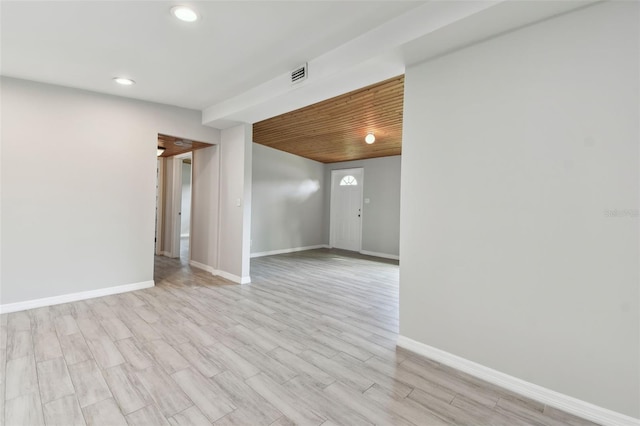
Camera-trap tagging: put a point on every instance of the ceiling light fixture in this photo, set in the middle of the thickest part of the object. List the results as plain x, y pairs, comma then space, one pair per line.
185, 14
124, 81
370, 138
161, 150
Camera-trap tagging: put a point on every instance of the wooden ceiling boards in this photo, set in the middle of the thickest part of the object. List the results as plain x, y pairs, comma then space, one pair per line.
175, 146
334, 130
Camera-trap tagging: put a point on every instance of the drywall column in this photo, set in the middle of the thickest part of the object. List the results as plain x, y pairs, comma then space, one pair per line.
519, 205
235, 203
205, 208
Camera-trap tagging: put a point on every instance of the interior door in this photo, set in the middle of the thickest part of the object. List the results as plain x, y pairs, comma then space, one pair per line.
346, 209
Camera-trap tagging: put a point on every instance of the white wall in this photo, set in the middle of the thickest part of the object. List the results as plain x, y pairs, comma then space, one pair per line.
381, 216
516, 153
235, 202
78, 187
291, 202
205, 215
287, 201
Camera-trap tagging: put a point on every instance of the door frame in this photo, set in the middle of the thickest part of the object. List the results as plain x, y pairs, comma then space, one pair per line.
334, 173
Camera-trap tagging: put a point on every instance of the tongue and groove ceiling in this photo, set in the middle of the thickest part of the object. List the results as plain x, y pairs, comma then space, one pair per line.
334, 130
175, 146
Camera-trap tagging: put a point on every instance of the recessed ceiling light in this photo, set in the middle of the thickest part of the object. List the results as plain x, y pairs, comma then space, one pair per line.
370, 138
124, 81
185, 14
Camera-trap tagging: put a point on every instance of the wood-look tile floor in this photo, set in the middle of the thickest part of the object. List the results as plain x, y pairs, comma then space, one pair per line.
311, 341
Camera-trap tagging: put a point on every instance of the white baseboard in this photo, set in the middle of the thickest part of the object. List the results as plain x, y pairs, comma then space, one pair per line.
223, 274
202, 266
289, 250
550, 397
383, 255
232, 277
73, 297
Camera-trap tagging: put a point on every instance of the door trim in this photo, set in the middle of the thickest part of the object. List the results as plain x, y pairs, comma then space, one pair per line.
334, 172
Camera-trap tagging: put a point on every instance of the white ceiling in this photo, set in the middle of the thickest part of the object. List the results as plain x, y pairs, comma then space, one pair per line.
234, 63
234, 46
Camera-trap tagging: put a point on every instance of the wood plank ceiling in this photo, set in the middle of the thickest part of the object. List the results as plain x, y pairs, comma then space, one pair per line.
175, 146
334, 130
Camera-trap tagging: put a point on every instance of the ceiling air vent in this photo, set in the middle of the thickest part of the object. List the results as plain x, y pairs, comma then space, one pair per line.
299, 74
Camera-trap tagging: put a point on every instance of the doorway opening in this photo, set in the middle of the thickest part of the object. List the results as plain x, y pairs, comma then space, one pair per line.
174, 197
346, 209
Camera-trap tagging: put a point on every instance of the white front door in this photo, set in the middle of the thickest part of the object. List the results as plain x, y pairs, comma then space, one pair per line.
346, 209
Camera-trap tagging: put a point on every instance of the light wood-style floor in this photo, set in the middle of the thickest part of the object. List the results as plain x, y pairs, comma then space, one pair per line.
310, 342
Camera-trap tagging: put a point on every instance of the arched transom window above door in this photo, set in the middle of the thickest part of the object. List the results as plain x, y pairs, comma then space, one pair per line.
348, 181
